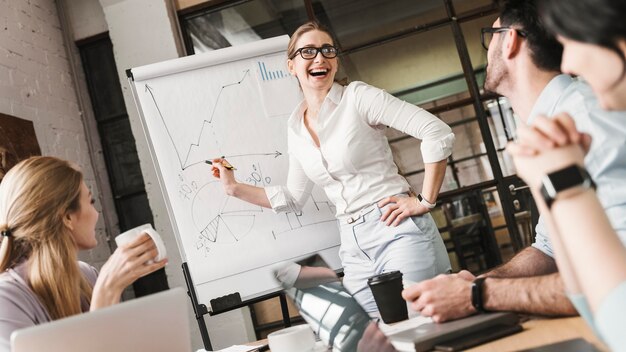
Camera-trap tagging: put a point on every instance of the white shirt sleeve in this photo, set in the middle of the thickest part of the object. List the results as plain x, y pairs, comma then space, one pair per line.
542, 241
287, 275
293, 196
382, 108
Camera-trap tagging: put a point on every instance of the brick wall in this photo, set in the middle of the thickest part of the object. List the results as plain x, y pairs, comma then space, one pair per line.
36, 84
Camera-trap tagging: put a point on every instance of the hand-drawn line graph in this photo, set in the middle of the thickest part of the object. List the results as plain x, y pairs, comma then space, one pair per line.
184, 164
219, 219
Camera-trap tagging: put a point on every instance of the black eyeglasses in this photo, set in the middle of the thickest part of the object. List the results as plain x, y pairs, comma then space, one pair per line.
487, 33
310, 52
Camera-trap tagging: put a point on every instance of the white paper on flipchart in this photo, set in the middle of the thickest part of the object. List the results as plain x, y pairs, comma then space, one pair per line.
232, 102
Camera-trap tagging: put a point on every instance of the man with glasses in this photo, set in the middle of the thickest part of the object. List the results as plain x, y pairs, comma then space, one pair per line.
523, 65
487, 33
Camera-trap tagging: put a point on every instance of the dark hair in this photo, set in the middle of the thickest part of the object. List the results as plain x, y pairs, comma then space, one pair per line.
599, 22
545, 51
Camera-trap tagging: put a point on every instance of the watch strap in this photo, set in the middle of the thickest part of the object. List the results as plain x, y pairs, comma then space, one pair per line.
562, 180
547, 197
423, 201
477, 295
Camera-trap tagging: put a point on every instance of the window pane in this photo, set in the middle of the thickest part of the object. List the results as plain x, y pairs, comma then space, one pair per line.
357, 22
408, 64
474, 171
449, 183
506, 163
406, 149
503, 125
504, 120
469, 141
456, 115
471, 33
248, 22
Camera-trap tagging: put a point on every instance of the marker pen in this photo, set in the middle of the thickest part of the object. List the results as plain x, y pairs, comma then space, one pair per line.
224, 163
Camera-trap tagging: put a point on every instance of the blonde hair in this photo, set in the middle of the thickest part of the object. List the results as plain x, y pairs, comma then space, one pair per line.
35, 197
305, 28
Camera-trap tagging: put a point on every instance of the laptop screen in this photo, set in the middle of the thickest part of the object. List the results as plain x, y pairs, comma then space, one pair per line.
158, 322
328, 308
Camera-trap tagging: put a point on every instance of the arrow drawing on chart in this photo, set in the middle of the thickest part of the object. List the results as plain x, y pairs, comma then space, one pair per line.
183, 164
276, 154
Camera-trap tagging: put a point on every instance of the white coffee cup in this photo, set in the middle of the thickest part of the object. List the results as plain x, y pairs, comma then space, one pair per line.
131, 234
297, 338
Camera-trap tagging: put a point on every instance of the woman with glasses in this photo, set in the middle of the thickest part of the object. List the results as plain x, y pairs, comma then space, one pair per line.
549, 156
336, 140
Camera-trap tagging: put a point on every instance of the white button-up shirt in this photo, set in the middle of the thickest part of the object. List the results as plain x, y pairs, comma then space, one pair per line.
354, 164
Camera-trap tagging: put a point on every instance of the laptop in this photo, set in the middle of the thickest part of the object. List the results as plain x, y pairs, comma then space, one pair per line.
339, 321
155, 323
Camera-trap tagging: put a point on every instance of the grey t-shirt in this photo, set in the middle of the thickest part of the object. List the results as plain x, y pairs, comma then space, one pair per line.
19, 306
606, 159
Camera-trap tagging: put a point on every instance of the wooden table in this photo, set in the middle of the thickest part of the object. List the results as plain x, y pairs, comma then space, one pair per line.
537, 332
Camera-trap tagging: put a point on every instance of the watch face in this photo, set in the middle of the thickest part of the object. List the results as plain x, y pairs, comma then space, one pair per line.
566, 178
558, 181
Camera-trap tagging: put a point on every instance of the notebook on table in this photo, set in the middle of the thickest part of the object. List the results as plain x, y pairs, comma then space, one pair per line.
156, 323
338, 319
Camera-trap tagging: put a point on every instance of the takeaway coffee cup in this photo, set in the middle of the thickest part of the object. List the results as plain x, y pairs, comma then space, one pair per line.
131, 234
387, 291
297, 338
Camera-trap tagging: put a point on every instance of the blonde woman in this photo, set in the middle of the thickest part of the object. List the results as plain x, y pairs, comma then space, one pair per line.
336, 140
46, 217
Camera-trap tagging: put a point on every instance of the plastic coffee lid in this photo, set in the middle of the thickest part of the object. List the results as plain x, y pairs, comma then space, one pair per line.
384, 277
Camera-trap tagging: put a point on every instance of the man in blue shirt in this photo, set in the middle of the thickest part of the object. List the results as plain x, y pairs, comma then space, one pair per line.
523, 65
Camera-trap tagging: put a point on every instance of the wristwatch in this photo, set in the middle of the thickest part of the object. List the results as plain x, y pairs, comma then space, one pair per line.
570, 179
424, 202
477, 295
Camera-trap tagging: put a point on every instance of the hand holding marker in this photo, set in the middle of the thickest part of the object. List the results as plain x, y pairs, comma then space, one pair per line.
223, 162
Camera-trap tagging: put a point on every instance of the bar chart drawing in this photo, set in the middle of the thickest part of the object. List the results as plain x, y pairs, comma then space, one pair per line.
269, 75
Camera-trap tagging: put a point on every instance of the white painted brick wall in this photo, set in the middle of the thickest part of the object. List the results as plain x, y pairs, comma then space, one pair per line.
36, 85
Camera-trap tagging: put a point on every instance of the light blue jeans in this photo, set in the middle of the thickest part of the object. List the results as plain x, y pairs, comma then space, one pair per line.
369, 247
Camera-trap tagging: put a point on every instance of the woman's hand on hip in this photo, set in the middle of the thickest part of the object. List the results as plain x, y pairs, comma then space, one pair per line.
400, 209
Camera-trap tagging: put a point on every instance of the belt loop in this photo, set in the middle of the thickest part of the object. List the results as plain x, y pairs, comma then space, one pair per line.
352, 220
